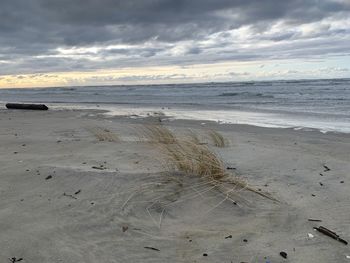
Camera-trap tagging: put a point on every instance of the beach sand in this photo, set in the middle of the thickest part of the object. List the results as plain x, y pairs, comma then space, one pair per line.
76, 186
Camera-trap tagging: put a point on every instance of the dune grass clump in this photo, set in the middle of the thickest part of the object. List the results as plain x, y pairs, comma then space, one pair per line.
217, 139
159, 134
192, 158
199, 160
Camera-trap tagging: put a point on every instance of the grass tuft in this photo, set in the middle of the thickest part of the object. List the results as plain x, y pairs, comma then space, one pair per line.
193, 158
159, 134
194, 137
199, 160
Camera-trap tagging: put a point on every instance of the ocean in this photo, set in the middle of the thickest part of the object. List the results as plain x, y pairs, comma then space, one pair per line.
323, 105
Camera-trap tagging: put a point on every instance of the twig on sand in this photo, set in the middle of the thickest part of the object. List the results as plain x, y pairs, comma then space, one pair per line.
71, 196
326, 168
314, 220
152, 248
14, 259
98, 167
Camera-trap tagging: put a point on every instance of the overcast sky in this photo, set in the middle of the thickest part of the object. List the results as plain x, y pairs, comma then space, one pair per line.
87, 42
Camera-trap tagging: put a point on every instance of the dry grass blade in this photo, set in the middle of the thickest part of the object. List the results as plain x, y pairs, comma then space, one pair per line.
194, 137
218, 139
159, 134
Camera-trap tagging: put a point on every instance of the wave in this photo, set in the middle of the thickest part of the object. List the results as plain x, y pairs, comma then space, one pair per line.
245, 94
229, 94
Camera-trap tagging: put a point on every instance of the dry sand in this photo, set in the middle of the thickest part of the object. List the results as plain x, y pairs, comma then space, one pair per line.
55, 207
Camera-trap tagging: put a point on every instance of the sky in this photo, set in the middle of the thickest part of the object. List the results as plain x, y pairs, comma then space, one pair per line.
47, 43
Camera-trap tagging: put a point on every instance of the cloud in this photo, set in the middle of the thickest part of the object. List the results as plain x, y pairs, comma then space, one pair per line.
38, 36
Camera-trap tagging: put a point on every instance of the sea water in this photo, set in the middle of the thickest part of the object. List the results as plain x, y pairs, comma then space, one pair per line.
300, 104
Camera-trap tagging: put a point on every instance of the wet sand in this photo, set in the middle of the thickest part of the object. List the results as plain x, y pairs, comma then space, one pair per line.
76, 186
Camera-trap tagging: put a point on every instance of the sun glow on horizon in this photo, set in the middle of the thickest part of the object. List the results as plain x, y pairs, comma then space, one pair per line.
225, 71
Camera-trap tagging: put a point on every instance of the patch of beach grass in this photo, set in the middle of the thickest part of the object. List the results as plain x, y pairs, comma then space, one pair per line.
193, 170
193, 137
159, 134
199, 160
192, 158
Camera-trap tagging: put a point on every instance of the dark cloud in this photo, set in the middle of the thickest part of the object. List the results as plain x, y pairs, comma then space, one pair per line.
31, 31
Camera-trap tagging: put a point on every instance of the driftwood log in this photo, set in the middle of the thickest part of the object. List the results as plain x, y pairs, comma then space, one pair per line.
24, 106
331, 234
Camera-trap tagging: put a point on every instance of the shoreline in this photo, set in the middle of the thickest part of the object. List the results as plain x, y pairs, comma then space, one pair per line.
279, 119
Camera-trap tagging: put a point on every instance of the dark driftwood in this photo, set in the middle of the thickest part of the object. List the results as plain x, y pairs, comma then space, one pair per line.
23, 106
331, 234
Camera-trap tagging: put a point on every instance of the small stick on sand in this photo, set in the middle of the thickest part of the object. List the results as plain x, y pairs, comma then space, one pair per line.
314, 220
152, 248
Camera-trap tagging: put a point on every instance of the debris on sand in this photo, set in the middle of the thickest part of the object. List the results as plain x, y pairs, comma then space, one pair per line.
314, 220
48, 177
71, 196
98, 167
14, 259
283, 254
326, 168
309, 235
152, 248
331, 234
25, 106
